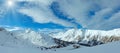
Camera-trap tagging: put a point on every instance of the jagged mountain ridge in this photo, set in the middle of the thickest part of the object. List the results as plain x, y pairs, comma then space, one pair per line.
72, 36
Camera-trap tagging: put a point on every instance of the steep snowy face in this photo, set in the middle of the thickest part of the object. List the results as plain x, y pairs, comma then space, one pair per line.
73, 35
36, 38
69, 35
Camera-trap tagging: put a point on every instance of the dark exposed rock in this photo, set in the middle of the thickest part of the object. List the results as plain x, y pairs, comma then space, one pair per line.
62, 43
83, 44
2, 29
76, 46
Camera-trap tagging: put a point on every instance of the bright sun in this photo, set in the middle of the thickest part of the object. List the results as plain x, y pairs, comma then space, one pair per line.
10, 3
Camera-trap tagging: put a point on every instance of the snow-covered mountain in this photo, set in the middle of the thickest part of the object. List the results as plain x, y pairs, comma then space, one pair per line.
25, 38
76, 35
9, 39
31, 38
36, 38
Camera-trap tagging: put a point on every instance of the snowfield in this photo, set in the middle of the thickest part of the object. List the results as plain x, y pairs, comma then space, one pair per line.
29, 41
107, 48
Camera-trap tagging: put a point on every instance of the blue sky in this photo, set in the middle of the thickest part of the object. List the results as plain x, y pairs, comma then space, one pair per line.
21, 20
55, 14
17, 19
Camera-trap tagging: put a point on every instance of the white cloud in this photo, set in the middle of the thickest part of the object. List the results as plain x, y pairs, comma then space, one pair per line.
80, 10
11, 28
2, 12
14, 29
113, 22
41, 13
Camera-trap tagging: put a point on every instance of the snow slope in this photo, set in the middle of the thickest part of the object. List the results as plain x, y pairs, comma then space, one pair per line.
107, 48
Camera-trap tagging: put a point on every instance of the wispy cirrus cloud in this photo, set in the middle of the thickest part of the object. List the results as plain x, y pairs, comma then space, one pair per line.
40, 12
97, 14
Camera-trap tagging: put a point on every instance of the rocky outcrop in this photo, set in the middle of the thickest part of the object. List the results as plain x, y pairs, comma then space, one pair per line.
2, 29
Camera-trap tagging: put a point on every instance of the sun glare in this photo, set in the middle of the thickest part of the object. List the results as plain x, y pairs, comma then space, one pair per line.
10, 3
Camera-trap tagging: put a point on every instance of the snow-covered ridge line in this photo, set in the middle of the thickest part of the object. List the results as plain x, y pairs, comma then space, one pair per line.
26, 37
38, 39
75, 35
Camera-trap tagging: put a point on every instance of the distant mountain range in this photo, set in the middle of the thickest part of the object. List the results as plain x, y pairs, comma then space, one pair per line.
30, 38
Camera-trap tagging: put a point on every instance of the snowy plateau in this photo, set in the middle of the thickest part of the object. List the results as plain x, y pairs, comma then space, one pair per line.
69, 41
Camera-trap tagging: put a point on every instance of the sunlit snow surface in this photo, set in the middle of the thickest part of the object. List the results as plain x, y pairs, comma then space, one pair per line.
72, 34
107, 48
